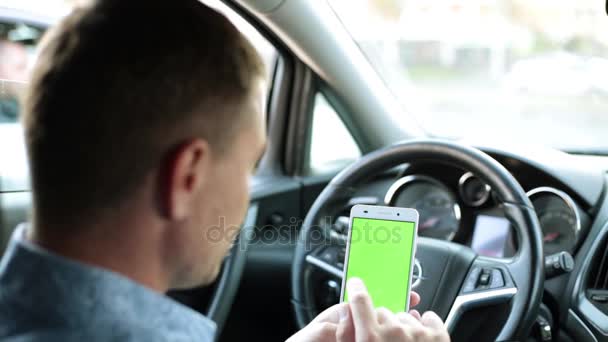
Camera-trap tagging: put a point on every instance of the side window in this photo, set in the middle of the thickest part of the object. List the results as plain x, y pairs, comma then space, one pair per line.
18, 42
331, 145
17, 54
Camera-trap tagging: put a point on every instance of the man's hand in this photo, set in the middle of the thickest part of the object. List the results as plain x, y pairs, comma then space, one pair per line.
324, 327
364, 323
359, 321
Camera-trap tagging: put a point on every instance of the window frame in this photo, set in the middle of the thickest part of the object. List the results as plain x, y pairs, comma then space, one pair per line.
323, 91
300, 130
272, 162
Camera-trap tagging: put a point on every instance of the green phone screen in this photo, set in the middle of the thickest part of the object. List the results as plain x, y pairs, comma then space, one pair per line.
381, 255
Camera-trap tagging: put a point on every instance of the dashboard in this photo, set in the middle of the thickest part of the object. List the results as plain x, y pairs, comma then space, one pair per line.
442, 203
568, 195
455, 205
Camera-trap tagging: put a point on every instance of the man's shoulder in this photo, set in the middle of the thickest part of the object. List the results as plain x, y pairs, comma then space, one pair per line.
90, 334
20, 324
44, 297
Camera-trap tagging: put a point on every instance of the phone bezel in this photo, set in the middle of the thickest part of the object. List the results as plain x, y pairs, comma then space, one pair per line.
381, 213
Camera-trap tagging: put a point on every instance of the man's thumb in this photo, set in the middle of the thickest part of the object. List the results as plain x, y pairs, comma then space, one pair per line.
331, 314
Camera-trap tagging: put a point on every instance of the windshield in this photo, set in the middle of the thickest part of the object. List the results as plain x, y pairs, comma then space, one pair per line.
526, 71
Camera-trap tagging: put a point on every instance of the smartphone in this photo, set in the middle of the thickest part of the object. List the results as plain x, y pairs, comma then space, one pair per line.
380, 250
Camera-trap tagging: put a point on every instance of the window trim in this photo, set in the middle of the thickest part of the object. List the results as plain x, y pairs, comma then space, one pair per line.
338, 163
300, 121
290, 107
354, 130
274, 161
318, 86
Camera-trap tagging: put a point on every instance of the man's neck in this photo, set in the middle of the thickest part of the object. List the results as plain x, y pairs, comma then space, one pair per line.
122, 248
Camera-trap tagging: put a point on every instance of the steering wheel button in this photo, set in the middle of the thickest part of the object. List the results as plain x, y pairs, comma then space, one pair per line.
469, 286
328, 255
599, 298
471, 281
484, 278
341, 254
497, 280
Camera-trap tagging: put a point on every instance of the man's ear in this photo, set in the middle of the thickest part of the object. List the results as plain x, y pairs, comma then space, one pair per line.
186, 169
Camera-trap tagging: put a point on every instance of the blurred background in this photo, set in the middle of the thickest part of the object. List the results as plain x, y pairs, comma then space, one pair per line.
526, 71
531, 71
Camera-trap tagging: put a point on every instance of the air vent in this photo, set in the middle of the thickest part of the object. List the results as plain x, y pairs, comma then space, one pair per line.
597, 283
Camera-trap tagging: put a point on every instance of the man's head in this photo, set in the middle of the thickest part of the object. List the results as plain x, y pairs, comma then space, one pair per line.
154, 105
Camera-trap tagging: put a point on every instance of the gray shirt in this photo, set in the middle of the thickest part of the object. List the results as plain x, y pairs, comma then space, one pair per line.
46, 297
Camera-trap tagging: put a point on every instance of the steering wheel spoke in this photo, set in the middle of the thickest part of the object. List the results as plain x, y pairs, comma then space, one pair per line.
328, 259
488, 282
324, 266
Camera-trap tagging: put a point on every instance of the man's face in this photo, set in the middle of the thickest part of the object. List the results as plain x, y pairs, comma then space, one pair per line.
222, 202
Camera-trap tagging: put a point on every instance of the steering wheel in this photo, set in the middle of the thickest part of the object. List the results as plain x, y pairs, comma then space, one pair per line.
451, 271
229, 279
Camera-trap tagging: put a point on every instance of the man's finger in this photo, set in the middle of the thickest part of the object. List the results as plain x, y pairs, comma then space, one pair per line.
409, 320
383, 315
346, 330
431, 320
331, 314
361, 308
415, 313
414, 299
322, 332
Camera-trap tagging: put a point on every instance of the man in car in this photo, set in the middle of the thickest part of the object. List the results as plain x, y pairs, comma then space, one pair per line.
143, 122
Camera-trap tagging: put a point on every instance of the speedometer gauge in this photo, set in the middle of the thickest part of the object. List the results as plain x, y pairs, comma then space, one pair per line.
558, 217
436, 204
